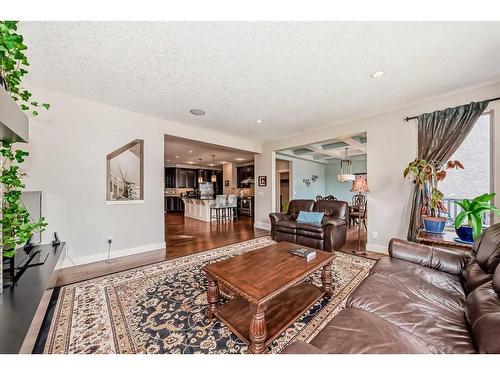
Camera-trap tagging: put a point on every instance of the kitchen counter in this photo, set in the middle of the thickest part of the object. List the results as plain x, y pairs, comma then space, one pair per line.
198, 209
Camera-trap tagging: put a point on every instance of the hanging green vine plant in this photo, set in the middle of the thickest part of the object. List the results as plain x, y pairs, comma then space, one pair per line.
17, 225
13, 65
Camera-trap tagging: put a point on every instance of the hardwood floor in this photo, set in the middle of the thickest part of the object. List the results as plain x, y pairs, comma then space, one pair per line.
185, 236
352, 243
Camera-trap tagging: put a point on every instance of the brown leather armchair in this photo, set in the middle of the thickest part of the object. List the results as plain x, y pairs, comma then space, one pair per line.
421, 299
329, 235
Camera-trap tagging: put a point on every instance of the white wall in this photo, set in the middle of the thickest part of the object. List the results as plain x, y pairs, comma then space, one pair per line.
392, 143
304, 169
68, 147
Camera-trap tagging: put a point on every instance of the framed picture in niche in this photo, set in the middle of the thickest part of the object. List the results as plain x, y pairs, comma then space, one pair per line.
262, 181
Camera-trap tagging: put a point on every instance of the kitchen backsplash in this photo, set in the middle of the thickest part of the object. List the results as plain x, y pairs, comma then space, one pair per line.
177, 191
243, 192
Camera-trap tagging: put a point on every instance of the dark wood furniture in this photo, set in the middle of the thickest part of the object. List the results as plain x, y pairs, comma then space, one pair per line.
270, 292
446, 239
358, 212
29, 297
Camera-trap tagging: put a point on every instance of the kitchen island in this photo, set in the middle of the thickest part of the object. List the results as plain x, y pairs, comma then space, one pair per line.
198, 209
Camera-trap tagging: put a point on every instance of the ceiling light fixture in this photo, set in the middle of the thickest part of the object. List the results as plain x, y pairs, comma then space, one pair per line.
377, 74
259, 121
214, 177
197, 112
240, 159
200, 177
345, 173
177, 156
190, 151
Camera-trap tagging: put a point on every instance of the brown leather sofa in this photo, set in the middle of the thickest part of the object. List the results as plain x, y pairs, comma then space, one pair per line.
329, 235
421, 299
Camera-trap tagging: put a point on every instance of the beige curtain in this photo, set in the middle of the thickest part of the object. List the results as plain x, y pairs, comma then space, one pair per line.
440, 133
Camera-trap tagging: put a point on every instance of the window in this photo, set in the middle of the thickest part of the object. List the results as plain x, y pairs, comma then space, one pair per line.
125, 173
476, 178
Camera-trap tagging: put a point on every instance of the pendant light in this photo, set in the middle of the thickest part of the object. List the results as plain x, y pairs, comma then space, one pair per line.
214, 177
200, 177
345, 173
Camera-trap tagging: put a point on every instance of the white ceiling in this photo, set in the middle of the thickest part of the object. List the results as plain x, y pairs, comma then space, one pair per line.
293, 75
332, 150
177, 151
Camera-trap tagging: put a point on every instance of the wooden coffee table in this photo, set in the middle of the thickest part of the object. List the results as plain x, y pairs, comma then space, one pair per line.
270, 292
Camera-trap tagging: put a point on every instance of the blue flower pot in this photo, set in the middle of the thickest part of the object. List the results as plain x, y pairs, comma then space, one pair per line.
434, 224
465, 233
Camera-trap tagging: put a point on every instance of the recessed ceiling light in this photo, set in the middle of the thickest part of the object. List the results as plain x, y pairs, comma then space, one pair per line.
190, 151
190, 162
240, 159
259, 121
197, 112
378, 74
177, 156
168, 159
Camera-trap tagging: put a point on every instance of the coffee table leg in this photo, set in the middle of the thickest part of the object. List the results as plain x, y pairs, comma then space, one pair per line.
326, 279
212, 297
258, 329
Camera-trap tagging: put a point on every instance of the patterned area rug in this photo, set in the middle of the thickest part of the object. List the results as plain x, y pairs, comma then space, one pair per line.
160, 308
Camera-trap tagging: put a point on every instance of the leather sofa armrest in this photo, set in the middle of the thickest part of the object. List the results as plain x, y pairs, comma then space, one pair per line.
336, 222
278, 216
301, 347
442, 259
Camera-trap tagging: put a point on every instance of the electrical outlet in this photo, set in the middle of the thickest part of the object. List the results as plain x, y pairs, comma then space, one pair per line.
374, 234
110, 239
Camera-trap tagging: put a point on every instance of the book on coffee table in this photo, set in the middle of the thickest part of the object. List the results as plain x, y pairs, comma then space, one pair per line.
307, 254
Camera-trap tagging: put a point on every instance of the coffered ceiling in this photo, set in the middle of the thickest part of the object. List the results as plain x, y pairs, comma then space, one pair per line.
293, 76
330, 151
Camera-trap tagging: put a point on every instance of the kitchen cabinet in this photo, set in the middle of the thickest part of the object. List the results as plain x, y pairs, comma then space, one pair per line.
170, 178
243, 173
174, 204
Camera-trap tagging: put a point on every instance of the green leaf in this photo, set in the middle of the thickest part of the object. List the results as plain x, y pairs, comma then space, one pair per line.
477, 226
459, 219
487, 197
46, 105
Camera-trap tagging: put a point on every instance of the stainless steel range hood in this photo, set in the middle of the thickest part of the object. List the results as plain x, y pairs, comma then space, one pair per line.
13, 121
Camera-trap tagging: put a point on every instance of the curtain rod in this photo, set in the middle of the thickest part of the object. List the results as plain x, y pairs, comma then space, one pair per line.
414, 117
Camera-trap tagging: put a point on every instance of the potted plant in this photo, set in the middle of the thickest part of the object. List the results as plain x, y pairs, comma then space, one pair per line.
473, 211
426, 175
16, 223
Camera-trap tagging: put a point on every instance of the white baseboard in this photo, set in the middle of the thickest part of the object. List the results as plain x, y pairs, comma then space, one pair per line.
70, 261
261, 225
377, 248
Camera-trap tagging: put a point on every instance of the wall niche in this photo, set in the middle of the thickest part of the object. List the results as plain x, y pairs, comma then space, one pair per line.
125, 173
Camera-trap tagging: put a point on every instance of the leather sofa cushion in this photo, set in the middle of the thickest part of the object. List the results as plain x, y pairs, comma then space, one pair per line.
412, 273
287, 226
312, 235
297, 205
427, 311
487, 249
308, 227
483, 313
473, 276
335, 209
355, 331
